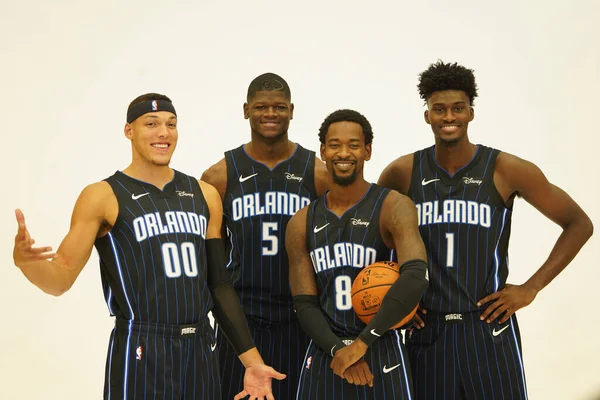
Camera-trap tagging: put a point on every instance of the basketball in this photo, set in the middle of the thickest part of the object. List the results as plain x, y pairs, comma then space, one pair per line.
369, 288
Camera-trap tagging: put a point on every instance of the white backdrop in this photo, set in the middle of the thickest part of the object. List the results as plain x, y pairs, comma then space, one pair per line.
69, 69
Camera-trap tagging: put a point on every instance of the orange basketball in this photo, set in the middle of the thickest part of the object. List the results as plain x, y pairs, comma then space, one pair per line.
369, 288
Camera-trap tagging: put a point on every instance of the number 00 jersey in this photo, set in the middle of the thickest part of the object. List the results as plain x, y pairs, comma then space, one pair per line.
340, 247
153, 261
465, 227
257, 206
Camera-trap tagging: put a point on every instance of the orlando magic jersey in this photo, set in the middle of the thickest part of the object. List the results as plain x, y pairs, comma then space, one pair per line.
465, 226
340, 247
153, 261
257, 205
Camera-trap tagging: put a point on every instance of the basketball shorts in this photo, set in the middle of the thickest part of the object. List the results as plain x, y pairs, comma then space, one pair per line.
281, 346
458, 356
155, 361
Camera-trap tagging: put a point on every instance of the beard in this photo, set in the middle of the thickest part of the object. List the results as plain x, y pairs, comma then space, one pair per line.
346, 180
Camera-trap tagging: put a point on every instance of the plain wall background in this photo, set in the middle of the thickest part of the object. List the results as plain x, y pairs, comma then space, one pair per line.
69, 69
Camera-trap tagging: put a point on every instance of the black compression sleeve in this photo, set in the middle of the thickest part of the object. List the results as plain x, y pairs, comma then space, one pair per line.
315, 324
399, 301
215, 254
227, 310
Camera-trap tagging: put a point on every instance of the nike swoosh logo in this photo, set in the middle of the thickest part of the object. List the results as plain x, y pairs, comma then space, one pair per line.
375, 333
386, 369
213, 347
496, 333
428, 182
320, 228
245, 178
137, 196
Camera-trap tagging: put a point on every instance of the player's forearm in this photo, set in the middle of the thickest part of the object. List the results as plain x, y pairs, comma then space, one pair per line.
52, 277
402, 297
315, 325
230, 316
572, 239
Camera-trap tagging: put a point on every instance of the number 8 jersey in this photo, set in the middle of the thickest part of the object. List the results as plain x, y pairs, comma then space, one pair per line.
257, 205
153, 260
340, 247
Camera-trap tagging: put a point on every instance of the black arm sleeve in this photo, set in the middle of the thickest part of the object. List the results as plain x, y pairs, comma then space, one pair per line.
227, 311
399, 301
315, 324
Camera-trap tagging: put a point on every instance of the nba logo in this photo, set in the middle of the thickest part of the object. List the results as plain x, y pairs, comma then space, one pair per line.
308, 362
154, 105
138, 353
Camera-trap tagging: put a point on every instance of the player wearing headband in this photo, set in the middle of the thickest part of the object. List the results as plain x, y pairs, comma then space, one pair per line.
162, 262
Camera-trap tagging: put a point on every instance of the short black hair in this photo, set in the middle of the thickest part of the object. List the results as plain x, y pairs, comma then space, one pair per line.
268, 82
349, 116
447, 76
146, 97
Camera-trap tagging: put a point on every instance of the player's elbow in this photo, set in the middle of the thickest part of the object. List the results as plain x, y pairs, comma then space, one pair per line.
588, 228
582, 225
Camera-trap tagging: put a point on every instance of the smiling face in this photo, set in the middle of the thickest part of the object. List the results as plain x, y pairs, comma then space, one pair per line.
345, 152
269, 113
449, 113
153, 137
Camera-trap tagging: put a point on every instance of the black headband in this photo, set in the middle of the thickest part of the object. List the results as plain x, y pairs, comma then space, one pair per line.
147, 107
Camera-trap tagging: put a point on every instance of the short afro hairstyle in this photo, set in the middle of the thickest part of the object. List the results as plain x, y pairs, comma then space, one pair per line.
349, 116
268, 82
447, 76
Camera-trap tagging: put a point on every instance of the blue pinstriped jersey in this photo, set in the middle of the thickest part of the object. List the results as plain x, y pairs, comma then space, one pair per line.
340, 247
257, 206
465, 226
153, 260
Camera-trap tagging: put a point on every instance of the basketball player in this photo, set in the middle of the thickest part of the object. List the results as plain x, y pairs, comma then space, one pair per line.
262, 184
162, 261
468, 345
353, 225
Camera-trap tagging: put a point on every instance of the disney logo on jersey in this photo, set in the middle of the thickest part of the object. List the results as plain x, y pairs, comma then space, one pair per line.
472, 181
358, 221
183, 193
342, 255
291, 177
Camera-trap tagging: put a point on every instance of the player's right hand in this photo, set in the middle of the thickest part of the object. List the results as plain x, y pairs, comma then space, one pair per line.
417, 320
24, 254
359, 374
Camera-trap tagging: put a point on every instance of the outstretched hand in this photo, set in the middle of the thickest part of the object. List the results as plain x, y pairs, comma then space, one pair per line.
506, 301
24, 253
257, 382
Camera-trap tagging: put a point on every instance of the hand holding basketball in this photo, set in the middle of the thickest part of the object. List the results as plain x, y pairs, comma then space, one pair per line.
24, 253
369, 288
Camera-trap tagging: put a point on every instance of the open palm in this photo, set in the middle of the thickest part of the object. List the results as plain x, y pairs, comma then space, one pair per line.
257, 382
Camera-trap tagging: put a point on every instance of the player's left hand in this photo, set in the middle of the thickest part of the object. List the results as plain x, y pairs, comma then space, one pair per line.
257, 382
507, 301
359, 374
346, 356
